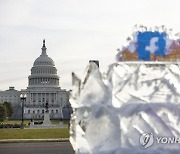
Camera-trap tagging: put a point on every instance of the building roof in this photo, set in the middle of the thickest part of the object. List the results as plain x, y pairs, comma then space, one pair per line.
43, 59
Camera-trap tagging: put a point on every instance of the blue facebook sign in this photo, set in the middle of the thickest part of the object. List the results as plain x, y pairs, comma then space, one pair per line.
151, 43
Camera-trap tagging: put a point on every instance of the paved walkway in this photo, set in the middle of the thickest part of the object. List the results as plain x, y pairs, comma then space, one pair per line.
36, 148
33, 140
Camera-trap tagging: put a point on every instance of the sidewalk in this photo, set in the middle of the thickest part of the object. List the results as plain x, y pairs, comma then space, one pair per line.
33, 140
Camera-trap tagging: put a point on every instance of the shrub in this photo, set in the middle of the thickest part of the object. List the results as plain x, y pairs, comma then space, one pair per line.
2, 113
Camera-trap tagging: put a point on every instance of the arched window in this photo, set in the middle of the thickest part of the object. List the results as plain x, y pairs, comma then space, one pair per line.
42, 111
56, 111
29, 111
52, 111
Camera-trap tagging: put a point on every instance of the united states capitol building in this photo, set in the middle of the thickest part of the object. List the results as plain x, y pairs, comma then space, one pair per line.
43, 90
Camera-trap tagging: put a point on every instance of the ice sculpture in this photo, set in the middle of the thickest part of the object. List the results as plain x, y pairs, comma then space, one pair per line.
145, 82
111, 112
151, 44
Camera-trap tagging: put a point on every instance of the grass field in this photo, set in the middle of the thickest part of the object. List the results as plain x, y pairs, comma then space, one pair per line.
15, 122
34, 133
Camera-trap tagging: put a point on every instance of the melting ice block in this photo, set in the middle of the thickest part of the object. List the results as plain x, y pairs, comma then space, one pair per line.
110, 114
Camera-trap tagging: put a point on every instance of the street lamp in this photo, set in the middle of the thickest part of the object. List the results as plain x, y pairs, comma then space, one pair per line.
23, 98
61, 119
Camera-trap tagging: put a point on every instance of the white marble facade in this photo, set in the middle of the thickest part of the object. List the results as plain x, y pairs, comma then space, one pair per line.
44, 88
10, 95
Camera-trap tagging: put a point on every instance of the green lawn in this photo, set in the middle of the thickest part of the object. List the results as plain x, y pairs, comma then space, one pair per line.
15, 122
34, 133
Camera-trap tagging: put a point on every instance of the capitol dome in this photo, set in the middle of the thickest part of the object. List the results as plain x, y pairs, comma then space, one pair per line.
43, 59
43, 72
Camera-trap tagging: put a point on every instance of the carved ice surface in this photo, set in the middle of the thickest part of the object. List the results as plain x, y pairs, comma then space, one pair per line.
110, 112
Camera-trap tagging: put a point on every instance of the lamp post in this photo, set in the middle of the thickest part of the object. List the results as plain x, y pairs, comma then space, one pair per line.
61, 119
23, 98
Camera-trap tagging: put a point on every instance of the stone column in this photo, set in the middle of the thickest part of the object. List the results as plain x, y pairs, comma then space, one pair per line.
49, 97
37, 97
41, 97
45, 98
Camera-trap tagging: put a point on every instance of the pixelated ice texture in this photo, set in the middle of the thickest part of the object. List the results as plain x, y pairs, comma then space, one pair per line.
111, 112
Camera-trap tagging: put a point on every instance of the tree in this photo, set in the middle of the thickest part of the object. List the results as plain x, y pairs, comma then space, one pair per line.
9, 109
2, 112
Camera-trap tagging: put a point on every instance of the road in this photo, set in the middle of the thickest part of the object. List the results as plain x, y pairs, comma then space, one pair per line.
36, 148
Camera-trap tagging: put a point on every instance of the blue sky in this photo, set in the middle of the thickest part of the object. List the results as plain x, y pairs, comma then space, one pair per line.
75, 31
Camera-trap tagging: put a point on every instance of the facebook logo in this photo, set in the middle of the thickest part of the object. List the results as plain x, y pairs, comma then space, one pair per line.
151, 43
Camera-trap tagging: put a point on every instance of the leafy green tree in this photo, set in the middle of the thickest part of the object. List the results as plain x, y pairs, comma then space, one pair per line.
2, 112
9, 109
